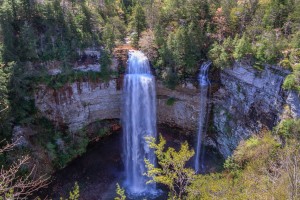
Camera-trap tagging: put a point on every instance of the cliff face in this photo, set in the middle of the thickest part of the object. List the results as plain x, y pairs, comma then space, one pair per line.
247, 101
78, 104
81, 103
179, 107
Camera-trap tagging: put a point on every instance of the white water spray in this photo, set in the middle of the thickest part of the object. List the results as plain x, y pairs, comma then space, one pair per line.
204, 86
139, 120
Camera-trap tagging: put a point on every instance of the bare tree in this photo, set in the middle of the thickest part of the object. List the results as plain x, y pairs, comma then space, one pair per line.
292, 166
14, 186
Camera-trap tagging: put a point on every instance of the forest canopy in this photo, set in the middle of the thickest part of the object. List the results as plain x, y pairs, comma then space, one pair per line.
177, 35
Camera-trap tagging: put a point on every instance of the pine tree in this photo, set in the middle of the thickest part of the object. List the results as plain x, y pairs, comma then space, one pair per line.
138, 22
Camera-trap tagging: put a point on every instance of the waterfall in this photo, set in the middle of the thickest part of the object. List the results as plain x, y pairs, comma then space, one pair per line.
204, 87
139, 120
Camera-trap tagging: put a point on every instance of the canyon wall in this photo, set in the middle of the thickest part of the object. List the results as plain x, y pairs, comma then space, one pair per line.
178, 107
78, 104
246, 100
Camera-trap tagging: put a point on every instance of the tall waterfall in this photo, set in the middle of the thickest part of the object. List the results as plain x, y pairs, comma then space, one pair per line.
139, 120
204, 87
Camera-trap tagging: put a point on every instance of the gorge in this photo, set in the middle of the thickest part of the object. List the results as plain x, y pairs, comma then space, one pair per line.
104, 101
134, 99
77, 104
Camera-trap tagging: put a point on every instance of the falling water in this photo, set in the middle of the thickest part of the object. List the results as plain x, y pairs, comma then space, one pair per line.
204, 86
139, 120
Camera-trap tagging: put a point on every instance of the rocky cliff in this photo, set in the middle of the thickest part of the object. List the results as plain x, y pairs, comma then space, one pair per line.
178, 107
247, 101
78, 104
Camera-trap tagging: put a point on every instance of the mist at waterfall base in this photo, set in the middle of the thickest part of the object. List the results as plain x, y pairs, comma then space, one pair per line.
139, 121
204, 87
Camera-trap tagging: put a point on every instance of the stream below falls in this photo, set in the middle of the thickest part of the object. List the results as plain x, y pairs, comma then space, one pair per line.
101, 167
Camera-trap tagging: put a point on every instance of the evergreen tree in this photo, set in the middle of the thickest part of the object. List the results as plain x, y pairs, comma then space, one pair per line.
138, 22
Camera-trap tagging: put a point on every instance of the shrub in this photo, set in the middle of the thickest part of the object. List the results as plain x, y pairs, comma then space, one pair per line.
296, 40
289, 82
285, 63
120, 192
172, 172
288, 129
170, 101
255, 151
219, 56
105, 62
268, 48
295, 56
171, 80
242, 48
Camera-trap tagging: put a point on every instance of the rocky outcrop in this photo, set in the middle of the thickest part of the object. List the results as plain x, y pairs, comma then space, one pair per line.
80, 103
179, 107
248, 100
293, 100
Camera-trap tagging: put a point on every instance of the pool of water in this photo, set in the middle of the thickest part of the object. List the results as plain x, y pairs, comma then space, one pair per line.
101, 168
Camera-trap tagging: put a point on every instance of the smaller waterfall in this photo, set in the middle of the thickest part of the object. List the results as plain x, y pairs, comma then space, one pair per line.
204, 87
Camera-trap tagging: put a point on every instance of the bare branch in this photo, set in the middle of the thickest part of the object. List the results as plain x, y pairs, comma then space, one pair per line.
14, 185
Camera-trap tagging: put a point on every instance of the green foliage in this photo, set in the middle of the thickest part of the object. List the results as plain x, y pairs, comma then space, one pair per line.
35, 32
255, 150
249, 173
138, 22
268, 48
242, 48
74, 194
109, 37
5, 74
103, 131
288, 128
289, 82
21, 94
292, 81
231, 166
105, 62
171, 79
185, 48
285, 63
294, 56
219, 56
295, 43
170, 101
62, 148
51, 150
120, 192
172, 172
181, 38
53, 31
212, 186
